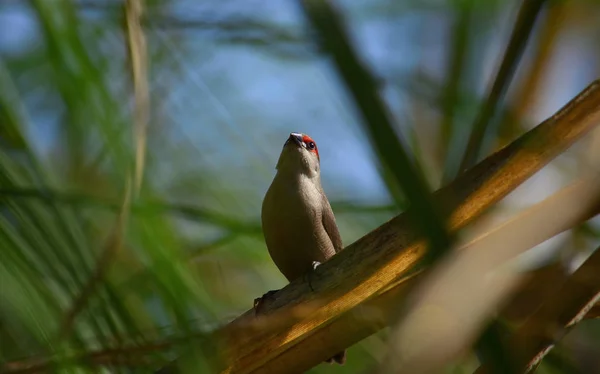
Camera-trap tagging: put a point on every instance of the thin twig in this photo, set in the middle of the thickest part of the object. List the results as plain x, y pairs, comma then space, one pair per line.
137, 356
134, 10
111, 247
191, 212
528, 14
450, 97
523, 99
594, 312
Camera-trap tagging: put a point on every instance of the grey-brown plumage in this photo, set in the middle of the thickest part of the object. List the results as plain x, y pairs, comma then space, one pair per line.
298, 224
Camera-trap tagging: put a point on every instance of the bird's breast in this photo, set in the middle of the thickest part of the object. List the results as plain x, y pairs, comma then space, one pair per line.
291, 225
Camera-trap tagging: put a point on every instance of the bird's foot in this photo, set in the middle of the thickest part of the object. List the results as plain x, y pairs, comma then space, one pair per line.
339, 358
259, 301
315, 264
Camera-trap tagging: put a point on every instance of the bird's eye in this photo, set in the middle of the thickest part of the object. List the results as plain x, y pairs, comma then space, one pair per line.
311, 145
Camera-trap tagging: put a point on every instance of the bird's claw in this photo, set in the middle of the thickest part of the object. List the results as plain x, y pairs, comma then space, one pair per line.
315, 264
259, 301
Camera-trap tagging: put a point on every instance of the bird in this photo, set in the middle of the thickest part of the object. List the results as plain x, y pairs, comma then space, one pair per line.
298, 223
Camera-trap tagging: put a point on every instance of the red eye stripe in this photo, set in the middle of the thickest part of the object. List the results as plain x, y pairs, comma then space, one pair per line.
307, 140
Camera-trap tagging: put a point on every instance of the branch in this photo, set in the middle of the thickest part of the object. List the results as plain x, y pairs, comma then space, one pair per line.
375, 264
537, 285
594, 312
461, 294
350, 327
355, 288
555, 318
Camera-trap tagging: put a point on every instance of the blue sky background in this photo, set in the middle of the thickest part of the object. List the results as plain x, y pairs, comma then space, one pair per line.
223, 110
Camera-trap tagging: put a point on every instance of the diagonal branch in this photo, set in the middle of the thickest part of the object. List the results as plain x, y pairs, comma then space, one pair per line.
386, 256
356, 290
555, 318
594, 311
466, 288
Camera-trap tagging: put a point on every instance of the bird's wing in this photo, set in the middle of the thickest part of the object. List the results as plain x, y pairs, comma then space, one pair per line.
329, 224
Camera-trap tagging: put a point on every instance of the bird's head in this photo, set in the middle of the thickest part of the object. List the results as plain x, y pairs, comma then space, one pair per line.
299, 155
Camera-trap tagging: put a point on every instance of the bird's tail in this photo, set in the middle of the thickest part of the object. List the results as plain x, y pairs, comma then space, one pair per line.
340, 358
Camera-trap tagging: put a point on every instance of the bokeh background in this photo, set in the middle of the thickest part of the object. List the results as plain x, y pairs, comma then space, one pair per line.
228, 81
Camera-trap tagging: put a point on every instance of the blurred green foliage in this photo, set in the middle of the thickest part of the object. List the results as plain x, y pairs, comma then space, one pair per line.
227, 84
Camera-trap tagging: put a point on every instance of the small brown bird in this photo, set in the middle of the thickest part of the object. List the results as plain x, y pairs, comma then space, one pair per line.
297, 221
